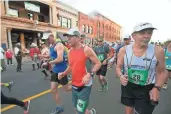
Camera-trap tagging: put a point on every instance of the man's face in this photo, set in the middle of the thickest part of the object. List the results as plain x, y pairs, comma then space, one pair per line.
72, 40
43, 45
127, 41
100, 43
143, 37
51, 39
82, 40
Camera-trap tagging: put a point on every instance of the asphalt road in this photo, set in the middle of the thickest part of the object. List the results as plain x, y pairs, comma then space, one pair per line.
30, 83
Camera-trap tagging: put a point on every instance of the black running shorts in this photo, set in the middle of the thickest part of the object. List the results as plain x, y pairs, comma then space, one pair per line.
137, 97
102, 71
54, 78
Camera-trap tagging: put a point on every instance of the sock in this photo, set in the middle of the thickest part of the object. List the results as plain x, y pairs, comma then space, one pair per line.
6, 84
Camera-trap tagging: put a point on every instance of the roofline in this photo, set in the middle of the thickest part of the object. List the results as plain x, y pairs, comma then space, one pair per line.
67, 5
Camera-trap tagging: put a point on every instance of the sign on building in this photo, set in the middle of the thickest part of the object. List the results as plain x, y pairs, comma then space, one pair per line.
32, 7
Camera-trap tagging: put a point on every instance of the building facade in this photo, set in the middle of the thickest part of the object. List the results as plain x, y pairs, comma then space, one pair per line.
67, 17
25, 21
95, 25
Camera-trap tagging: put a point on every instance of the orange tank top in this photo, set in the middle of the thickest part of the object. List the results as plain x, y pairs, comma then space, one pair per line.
77, 61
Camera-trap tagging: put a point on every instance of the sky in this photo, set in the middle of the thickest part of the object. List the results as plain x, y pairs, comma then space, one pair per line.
128, 13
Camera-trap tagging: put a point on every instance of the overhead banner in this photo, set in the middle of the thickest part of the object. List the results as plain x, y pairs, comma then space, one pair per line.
32, 7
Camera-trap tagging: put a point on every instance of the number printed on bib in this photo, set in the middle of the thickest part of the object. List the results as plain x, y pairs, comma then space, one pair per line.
138, 77
81, 105
100, 57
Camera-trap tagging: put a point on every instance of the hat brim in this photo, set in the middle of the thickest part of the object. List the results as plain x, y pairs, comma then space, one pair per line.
145, 28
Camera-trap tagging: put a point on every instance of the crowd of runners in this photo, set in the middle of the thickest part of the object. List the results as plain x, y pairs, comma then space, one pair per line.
143, 69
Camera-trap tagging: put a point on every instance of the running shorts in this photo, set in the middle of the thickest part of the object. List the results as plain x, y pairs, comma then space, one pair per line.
137, 97
102, 71
54, 78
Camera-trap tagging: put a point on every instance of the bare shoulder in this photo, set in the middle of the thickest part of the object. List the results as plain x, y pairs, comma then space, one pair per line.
159, 50
59, 46
123, 49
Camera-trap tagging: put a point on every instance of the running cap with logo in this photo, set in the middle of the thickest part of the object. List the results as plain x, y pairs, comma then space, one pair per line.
142, 26
73, 32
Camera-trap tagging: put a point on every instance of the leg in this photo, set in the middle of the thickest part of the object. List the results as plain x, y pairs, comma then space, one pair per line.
8, 61
64, 81
11, 61
10, 100
17, 59
20, 62
165, 84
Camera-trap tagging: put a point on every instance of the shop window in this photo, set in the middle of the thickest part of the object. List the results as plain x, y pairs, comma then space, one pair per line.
64, 22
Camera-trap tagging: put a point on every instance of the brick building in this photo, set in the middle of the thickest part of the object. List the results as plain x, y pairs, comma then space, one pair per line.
28, 21
96, 25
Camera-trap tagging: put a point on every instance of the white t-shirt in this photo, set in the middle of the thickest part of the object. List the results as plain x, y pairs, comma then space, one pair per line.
16, 50
1, 53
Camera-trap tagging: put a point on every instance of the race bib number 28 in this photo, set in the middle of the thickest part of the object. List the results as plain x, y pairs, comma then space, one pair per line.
138, 77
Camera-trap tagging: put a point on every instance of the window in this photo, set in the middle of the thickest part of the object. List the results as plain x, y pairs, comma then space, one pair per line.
91, 30
60, 21
76, 23
64, 22
69, 23
98, 24
41, 18
87, 29
13, 12
30, 16
83, 28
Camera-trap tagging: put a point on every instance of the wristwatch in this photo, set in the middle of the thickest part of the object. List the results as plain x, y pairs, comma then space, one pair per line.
92, 74
157, 87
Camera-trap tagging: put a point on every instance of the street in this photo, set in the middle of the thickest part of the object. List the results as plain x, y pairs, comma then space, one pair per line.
30, 84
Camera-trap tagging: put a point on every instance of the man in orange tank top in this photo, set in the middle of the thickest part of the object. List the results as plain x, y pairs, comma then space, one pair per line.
81, 74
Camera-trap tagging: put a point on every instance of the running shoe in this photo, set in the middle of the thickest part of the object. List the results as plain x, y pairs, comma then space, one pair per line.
164, 86
57, 110
26, 107
105, 88
101, 88
10, 86
93, 111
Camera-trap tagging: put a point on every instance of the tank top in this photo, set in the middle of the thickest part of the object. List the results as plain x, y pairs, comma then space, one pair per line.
59, 67
77, 62
168, 59
146, 63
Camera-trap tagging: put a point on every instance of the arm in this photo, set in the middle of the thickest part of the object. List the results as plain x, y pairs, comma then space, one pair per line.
92, 56
59, 48
120, 62
160, 69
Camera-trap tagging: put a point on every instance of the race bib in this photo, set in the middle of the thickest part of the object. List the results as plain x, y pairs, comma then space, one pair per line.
100, 57
168, 67
81, 105
138, 77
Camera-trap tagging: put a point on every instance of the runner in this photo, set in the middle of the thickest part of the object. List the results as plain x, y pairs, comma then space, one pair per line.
103, 54
57, 53
83, 38
168, 63
14, 101
111, 61
142, 63
44, 56
81, 74
127, 39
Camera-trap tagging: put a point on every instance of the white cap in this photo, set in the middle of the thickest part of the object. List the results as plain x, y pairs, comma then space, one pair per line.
73, 31
127, 36
33, 45
142, 26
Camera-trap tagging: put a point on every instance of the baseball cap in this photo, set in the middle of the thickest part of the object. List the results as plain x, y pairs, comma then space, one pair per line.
127, 37
142, 26
73, 32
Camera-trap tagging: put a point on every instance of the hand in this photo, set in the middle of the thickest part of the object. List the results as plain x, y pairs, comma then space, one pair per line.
44, 64
124, 80
86, 78
104, 62
154, 94
60, 75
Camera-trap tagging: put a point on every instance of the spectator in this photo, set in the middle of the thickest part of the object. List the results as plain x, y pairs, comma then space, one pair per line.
3, 66
9, 55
